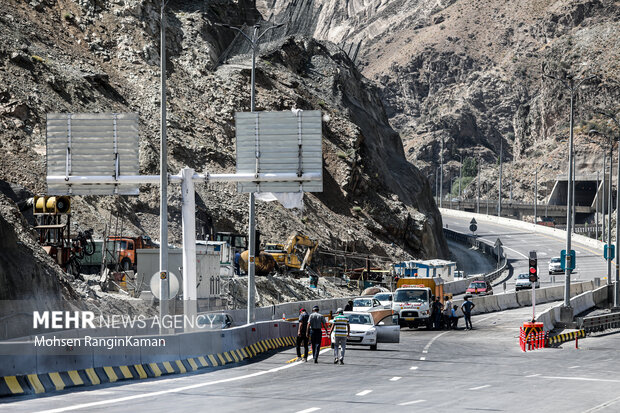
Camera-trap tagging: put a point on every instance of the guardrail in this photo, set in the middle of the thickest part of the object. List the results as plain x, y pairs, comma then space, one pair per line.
457, 287
598, 322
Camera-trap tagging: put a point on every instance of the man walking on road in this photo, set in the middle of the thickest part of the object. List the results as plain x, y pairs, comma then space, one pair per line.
302, 333
447, 311
316, 323
466, 307
341, 330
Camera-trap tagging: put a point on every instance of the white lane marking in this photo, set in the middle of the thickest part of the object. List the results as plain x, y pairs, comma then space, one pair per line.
312, 409
422, 358
504, 247
426, 347
581, 379
574, 367
413, 368
602, 406
363, 392
85, 406
413, 402
395, 378
480, 387
533, 375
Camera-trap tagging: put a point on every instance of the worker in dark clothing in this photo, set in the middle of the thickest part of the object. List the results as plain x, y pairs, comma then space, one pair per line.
436, 313
237, 269
316, 324
349, 306
467, 307
302, 334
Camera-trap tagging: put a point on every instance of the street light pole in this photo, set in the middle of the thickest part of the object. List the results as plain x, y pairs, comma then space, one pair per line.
252, 214
441, 177
535, 195
499, 200
566, 312
164, 279
613, 118
478, 203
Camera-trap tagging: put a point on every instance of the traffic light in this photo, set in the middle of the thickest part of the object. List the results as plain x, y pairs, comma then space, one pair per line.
533, 269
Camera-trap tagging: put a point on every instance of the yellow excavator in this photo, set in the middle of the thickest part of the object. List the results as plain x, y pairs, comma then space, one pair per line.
292, 257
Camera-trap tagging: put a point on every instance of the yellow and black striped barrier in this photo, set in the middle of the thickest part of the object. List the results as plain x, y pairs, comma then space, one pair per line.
56, 381
564, 337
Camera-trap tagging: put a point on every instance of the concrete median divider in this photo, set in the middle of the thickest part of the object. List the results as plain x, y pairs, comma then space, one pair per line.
524, 298
507, 301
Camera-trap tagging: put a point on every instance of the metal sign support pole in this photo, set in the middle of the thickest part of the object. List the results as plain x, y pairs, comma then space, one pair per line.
190, 296
163, 187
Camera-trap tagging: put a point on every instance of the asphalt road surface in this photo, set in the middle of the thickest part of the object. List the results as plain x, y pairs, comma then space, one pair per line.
428, 371
517, 244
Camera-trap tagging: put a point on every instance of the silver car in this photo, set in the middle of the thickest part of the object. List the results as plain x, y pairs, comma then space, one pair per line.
523, 281
555, 265
365, 332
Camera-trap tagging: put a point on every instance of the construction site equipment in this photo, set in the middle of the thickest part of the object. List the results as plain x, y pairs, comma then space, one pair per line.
53, 225
264, 263
238, 242
296, 254
434, 284
125, 249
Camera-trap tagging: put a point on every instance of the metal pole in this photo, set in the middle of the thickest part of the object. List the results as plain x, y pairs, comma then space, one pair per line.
499, 200
603, 200
609, 211
535, 194
441, 177
569, 203
188, 212
478, 202
617, 275
574, 180
460, 175
164, 286
596, 207
252, 212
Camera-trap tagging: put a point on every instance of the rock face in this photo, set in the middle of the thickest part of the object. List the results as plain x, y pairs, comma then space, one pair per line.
470, 73
95, 56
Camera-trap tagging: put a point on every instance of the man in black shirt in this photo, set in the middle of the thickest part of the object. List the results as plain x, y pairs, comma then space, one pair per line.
302, 334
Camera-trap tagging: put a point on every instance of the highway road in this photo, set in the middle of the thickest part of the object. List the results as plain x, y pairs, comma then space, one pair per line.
428, 371
519, 242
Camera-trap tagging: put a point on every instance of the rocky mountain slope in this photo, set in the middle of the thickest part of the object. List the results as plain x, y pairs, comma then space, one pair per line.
470, 74
95, 56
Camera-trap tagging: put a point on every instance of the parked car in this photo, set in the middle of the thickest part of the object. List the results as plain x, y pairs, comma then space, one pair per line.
365, 332
555, 265
523, 281
365, 303
214, 321
385, 299
479, 288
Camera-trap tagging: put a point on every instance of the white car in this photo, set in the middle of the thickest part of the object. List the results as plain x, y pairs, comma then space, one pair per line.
385, 299
523, 281
555, 265
364, 331
365, 303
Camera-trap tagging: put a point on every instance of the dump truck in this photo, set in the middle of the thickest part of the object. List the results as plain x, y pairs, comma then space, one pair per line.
126, 248
413, 299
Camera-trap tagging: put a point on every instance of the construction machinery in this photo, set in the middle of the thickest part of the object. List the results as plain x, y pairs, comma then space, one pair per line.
291, 258
125, 249
295, 255
53, 225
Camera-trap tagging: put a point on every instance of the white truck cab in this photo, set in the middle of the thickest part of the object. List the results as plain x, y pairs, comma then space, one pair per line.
413, 306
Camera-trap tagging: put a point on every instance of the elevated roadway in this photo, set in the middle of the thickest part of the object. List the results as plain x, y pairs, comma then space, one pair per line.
429, 371
518, 241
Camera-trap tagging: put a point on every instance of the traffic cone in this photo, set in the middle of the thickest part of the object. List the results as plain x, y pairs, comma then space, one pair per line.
283, 316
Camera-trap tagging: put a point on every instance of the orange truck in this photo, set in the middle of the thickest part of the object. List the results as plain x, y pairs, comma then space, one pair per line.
125, 248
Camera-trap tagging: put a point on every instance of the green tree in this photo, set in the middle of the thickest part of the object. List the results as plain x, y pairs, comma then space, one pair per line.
470, 167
